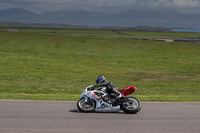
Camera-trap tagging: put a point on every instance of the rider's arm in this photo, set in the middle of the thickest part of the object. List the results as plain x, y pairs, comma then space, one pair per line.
100, 85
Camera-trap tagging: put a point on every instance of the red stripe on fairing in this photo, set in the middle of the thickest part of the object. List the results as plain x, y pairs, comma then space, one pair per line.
95, 97
99, 99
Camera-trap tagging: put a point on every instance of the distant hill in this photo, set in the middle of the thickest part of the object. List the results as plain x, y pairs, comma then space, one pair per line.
15, 26
19, 15
165, 18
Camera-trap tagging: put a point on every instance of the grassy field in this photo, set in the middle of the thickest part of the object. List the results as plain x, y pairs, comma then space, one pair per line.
51, 64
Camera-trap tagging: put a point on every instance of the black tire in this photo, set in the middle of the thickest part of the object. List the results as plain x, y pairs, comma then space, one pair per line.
131, 105
87, 107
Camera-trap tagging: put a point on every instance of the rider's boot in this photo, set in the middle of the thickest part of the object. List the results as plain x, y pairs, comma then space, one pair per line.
119, 94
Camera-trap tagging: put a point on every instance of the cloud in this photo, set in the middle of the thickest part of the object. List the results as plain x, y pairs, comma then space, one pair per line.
177, 3
99, 5
108, 3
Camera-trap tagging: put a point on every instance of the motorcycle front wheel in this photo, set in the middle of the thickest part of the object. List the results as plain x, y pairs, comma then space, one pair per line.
86, 106
131, 105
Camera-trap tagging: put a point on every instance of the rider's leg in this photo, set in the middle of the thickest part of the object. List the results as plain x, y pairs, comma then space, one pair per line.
119, 94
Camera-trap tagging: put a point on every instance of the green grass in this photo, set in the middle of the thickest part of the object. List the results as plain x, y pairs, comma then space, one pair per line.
50, 64
116, 33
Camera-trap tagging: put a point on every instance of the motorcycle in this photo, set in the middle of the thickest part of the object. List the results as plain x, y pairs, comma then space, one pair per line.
100, 101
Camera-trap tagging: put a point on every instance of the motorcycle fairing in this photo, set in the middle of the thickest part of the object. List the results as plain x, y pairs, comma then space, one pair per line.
128, 90
101, 106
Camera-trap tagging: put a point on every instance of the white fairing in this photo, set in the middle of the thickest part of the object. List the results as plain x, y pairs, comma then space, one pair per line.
101, 106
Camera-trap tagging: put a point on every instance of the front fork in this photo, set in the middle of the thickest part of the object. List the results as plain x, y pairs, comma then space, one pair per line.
86, 99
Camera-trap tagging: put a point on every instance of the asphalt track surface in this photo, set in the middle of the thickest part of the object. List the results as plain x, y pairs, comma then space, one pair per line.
63, 117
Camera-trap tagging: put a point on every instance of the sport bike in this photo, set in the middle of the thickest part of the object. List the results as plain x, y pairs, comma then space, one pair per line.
100, 101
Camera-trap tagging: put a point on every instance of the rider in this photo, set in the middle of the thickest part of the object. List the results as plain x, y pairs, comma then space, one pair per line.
110, 87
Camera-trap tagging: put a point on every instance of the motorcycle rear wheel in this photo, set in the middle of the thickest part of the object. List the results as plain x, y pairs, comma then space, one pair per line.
131, 105
88, 106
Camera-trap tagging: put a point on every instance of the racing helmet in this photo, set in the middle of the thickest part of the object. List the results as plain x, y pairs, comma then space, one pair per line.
100, 79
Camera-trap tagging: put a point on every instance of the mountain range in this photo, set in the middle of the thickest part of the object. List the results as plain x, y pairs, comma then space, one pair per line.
165, 18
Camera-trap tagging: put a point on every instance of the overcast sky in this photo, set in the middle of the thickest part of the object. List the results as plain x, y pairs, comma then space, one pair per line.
39, 6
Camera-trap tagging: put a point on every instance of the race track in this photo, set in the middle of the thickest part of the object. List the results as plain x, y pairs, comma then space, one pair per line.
63, 117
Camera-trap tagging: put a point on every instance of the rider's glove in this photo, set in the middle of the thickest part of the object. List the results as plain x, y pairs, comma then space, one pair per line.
93, 87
